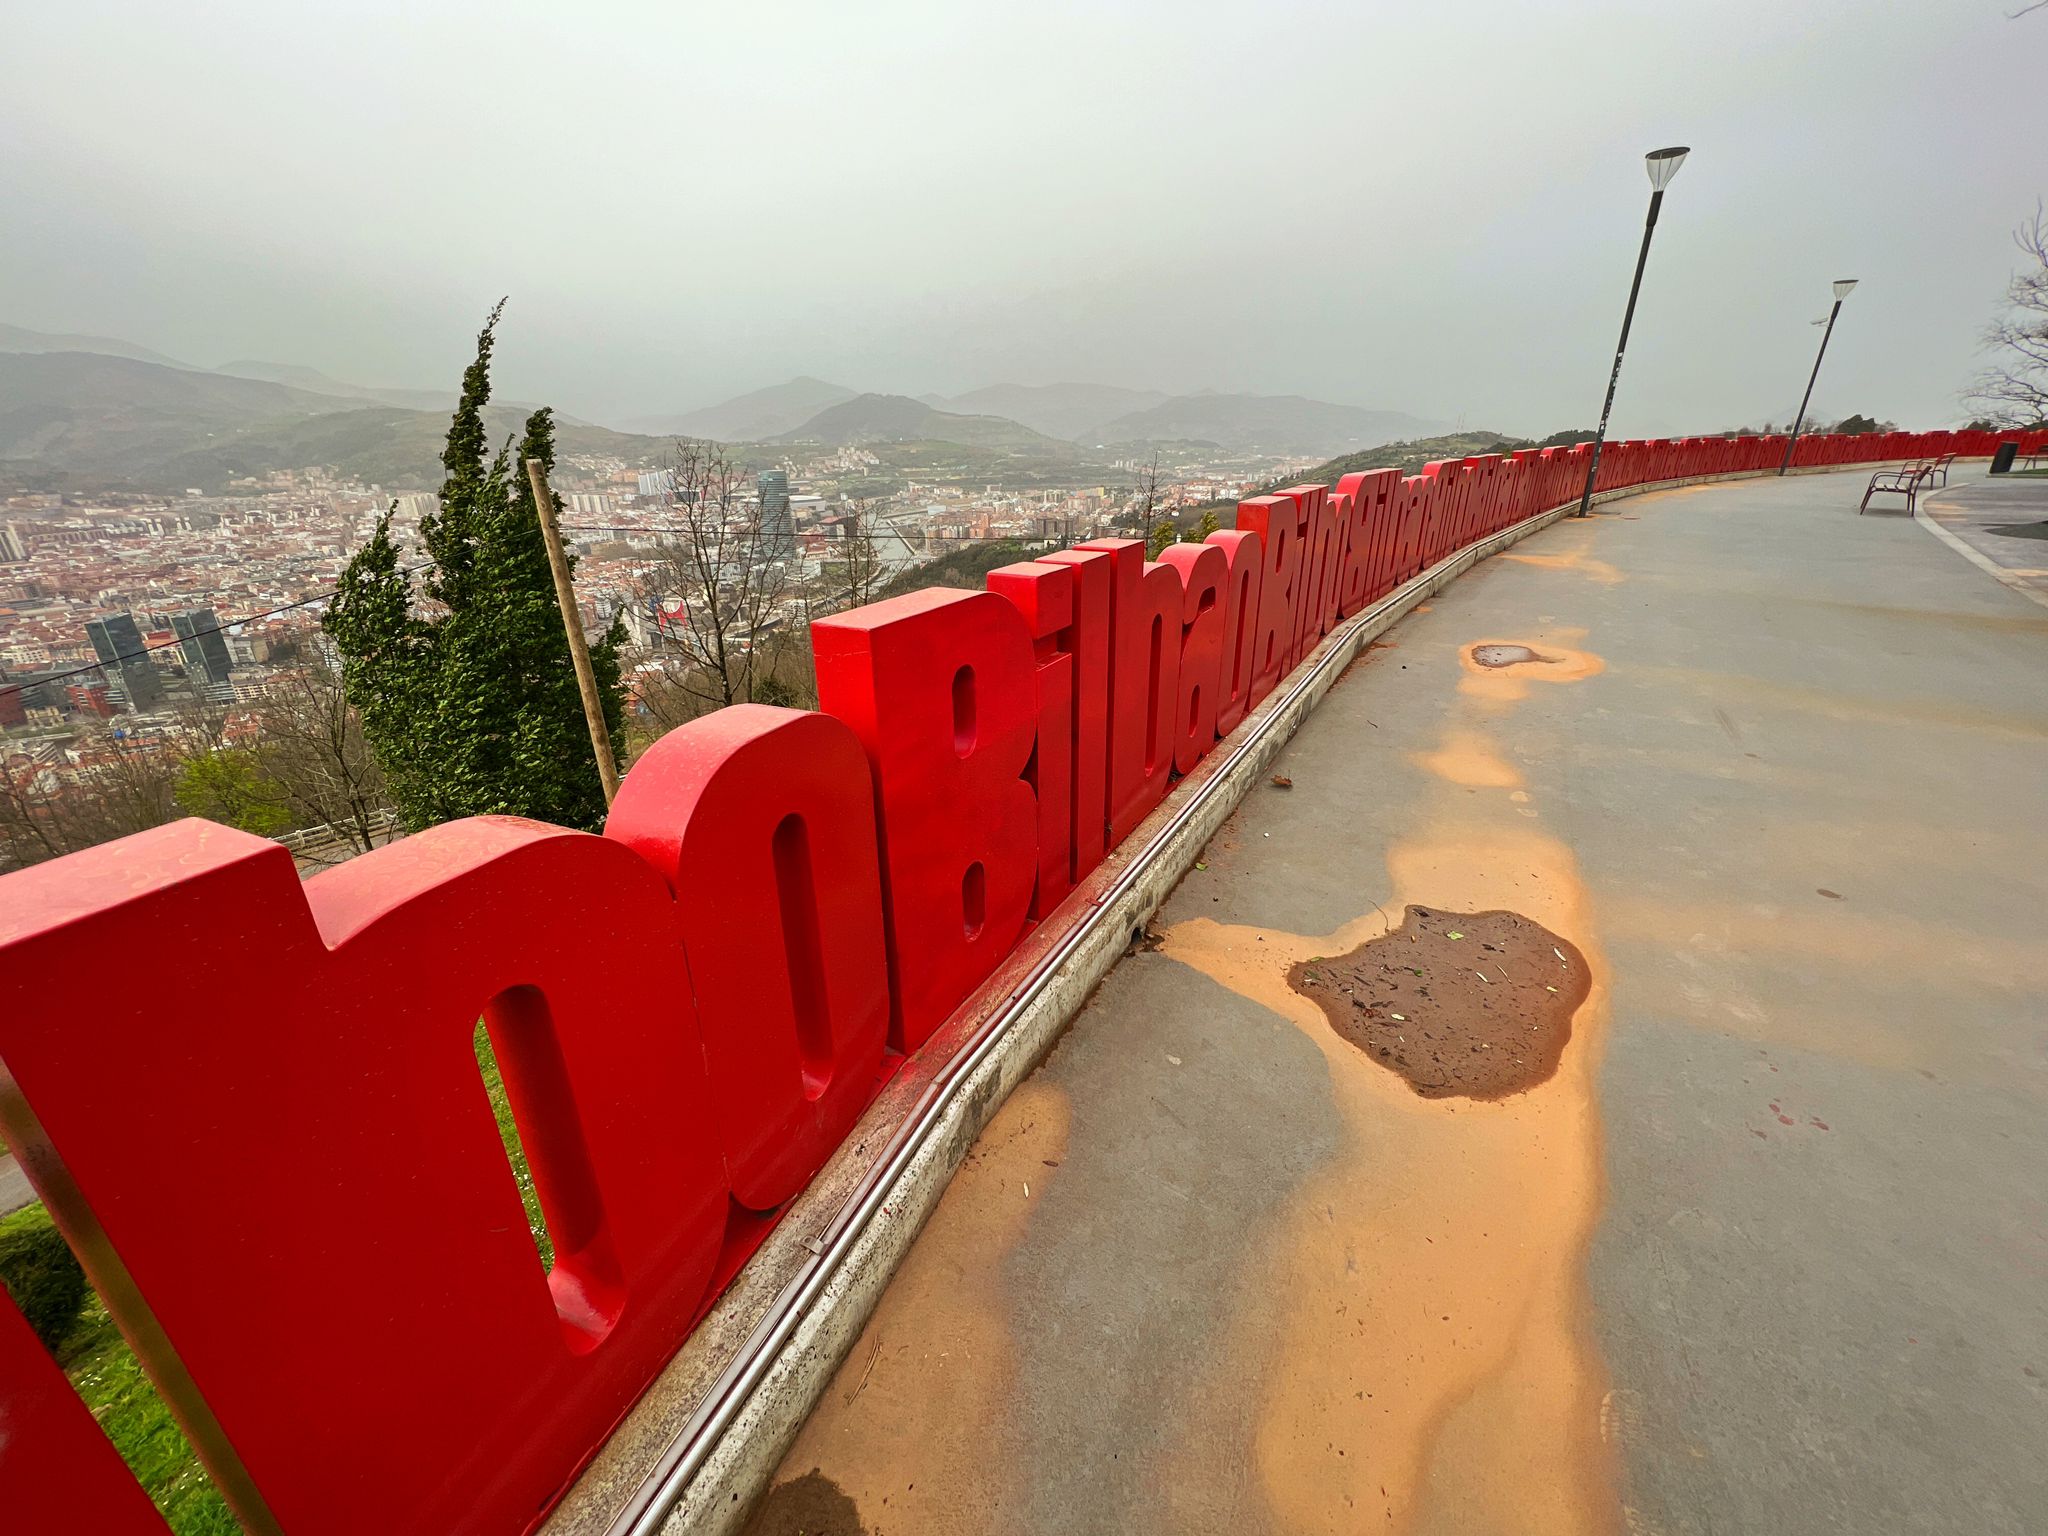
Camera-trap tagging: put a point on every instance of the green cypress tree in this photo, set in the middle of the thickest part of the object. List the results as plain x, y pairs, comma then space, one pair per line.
1163, 533
1209, 524
475, 710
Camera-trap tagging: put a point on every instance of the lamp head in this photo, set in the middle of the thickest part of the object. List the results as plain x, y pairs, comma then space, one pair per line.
1843, 285
1663, 164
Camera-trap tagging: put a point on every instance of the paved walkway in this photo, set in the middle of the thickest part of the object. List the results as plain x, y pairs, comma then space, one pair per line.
14, 1186
1998, 522
1768, 1252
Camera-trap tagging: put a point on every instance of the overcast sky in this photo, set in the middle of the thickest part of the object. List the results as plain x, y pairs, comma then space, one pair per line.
1429, 207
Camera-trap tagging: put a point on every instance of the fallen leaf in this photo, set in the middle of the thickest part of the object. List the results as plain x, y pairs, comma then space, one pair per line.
1456, 935
1027, 1191
1402, 1017
1281, 781
1174, 1059
1200, 865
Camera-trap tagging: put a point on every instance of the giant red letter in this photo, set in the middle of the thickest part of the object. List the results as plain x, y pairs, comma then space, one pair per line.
938, 687
299, 1066
763, 823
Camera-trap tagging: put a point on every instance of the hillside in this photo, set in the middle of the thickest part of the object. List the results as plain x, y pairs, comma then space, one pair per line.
381, 445
86, 413
1057, 410
752, 417
1276, 423
96, 421
15, 338
967, 567
314, 380
900, 419
1408, 457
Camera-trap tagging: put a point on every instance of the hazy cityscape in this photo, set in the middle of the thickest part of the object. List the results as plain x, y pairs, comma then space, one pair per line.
149, 625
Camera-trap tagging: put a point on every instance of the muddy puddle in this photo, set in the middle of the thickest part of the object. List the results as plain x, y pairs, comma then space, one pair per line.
1473, 1005
811, 1505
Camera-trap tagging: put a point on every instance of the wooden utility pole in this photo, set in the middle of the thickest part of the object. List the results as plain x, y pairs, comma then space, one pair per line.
572, 624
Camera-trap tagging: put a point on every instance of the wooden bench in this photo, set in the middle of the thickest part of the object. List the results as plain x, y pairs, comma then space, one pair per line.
1907, 481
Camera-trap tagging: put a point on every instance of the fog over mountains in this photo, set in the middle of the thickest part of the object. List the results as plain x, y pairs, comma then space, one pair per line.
84, 411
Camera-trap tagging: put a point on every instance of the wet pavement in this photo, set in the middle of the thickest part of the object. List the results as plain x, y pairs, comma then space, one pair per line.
1764, 1251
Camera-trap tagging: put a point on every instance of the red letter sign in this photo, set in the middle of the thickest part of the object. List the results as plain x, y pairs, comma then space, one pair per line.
938, 687
762, 822
299, 1068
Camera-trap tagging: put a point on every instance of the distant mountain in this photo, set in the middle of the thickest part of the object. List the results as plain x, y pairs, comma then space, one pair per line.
900, 419
378, 445
15, 338
753, 417
1057, 410
1278, 423
313, 380
18, 339
101, 420
98, 413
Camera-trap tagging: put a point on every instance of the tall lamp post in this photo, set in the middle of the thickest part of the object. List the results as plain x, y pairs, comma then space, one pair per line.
1662, 165
1842, 287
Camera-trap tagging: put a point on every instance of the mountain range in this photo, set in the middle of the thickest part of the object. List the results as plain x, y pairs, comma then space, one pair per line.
90, 412
1083, 415
1071, 411
17, 339
753, 417
86, 420
900, 419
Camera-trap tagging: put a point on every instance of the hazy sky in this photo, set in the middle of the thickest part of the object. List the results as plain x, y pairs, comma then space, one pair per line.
1426, 206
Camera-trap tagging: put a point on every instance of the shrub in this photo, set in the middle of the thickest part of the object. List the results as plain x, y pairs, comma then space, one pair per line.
41, 1275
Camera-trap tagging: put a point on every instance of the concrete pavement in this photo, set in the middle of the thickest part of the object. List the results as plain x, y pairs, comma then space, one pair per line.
14, 1186
1765, 1253
1999, 523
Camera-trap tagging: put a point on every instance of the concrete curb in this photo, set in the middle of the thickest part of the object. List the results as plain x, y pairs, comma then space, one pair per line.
711, 1488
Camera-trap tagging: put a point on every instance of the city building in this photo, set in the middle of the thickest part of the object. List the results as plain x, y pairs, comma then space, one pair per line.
778, 529
207, 662
131, 675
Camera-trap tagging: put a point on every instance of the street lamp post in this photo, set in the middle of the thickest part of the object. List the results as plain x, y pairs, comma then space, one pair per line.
1842, 287
1662, 165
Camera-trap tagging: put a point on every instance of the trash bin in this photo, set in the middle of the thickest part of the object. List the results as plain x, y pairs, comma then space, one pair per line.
2001, 459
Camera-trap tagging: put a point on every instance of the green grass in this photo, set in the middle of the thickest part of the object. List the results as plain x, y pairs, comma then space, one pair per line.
508, 1133
110, 1380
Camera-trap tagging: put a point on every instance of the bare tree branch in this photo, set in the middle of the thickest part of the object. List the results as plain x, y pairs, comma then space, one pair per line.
720, 610
2014, 390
